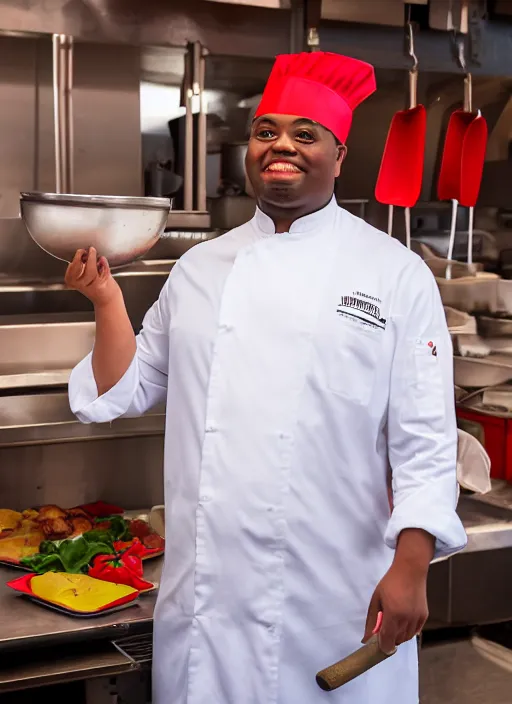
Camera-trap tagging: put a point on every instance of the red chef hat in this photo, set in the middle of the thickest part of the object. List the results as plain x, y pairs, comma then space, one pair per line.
320, 86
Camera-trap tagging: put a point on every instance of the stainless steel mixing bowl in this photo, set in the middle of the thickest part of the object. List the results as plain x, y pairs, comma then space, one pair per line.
120, 228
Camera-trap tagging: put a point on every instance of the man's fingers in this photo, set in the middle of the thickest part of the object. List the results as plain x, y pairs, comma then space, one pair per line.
372, 617
91, 268
419, 625
103, 268
388, 634
76, 267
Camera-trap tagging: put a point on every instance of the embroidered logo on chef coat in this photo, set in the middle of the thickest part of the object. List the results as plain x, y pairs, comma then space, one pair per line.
362, 308
426, 347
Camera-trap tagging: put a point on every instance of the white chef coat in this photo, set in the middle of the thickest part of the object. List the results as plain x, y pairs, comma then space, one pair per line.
297, 368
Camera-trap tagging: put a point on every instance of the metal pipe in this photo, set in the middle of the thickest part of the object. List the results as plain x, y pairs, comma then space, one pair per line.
68, 94
63, 112
188, 175
201, 136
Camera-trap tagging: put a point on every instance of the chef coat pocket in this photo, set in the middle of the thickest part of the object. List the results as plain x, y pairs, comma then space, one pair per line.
351, 359
427, 382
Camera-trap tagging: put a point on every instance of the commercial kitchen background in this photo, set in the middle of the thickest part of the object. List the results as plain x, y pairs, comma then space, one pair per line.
162, 96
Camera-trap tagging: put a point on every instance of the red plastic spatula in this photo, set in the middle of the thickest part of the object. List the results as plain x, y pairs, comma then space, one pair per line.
462, 165
401, 170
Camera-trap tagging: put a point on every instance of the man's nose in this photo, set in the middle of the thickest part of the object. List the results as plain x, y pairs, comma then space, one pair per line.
284, 144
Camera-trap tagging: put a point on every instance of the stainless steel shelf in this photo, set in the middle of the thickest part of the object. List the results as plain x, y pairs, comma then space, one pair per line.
43, 418
41, 350
185, 220
52, 667
140, 283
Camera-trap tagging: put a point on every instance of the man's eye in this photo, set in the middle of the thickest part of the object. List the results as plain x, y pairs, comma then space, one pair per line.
265, 134
305, 136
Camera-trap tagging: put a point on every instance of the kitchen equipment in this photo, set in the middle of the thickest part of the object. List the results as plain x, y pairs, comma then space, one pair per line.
459, 393
174, 243
401, 170
228, 212
437, 266
471, 294
505, 296
459, 322
473, 464
121, 228
470, 372
157, 520
487, 414
463, 331
471, 346
233, 167
494, 327
499, 344
462, 163
485, 247
355, 664
468, 288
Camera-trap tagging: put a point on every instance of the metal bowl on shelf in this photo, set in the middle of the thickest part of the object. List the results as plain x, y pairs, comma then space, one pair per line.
120, 228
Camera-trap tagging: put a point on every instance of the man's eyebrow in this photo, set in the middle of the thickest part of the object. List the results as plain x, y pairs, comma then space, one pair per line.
306, 121
299, 120
264, 118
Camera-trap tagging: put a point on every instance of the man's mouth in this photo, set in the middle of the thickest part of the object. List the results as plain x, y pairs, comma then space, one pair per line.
284, 167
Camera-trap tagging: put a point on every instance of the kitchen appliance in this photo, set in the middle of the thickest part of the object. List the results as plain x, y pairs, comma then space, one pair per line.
121, 228
401, 170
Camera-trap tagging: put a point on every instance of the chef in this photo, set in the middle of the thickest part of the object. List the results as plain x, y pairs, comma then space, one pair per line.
304, 357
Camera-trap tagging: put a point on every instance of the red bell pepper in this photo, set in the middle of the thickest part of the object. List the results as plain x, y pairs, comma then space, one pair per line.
121, 568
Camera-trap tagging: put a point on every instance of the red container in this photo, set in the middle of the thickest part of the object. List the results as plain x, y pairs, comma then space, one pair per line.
497, 440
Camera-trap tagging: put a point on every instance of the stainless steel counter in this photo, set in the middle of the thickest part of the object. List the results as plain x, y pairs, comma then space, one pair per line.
25, 624
488, 518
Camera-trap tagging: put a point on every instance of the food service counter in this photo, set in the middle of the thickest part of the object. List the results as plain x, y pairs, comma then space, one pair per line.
40, 647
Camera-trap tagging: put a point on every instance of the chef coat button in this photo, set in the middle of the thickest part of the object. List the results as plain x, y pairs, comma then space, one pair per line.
210, 428
204, 498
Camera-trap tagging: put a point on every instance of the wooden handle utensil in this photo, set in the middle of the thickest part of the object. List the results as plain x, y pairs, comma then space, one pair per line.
352, 666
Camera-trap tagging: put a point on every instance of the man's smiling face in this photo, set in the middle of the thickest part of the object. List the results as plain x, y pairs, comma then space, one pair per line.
292, 162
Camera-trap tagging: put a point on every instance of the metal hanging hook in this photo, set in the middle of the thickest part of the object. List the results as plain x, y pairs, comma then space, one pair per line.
412, 53
461, 53
468, 79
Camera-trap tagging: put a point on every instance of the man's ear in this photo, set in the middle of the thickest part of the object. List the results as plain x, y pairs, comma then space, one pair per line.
342, 153
340, 158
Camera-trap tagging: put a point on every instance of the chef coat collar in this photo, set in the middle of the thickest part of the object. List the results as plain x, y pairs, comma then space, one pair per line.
313, 222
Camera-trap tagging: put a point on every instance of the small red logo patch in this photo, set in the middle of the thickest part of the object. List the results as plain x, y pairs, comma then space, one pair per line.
430, 344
